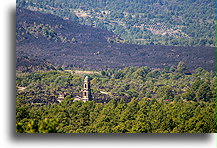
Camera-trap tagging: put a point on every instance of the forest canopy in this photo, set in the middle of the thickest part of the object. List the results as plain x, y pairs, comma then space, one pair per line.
129, 100
162, 22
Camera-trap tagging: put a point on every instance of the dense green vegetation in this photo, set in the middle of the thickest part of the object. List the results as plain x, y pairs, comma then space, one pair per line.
144, 116
166, 22
129, 100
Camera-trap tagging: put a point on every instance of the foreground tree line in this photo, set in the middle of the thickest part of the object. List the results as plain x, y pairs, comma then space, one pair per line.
144, 116
137, 100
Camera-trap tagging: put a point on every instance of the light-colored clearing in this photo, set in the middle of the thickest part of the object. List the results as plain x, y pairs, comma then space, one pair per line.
21, 88
82, 72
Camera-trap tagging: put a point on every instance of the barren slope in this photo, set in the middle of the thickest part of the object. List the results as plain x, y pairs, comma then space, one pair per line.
45, 37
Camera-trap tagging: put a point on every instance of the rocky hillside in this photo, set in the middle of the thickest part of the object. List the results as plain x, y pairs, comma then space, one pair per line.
52, 40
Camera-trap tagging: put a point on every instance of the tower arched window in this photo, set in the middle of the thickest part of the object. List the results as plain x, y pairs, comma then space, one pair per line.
85, 85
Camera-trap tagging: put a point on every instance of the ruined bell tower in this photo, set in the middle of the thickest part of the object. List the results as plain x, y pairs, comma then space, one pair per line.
86, 90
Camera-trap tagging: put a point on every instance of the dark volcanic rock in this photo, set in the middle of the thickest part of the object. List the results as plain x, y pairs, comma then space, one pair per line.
90, 48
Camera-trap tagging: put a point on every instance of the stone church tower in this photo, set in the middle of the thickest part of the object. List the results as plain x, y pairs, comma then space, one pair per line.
86, 90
